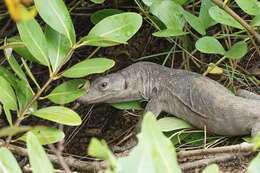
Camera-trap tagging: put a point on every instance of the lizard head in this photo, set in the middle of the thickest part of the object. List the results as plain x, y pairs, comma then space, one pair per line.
111, 88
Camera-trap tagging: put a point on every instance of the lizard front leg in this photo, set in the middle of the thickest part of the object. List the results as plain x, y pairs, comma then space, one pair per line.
154, 106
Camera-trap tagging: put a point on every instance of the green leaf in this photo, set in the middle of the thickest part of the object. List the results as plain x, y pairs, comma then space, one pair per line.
248, 139
58, 47
256, 21
97, 1
194, 22
8, 76
177, 139
196, 138
16, 68
55, 14
93, 40
34, 39
101, 14
59, 114
14, 64
237, 51
222, 17
170, 13
213, 168
24, 95
254, 165
39, 161
181, 1
209, 45
22, 51
155, 148
139, 160
46, 135
169, 33
132, 105
8, 115
119, 27
204, 16
101, 150
89, 66
67, 91
256, 141
29, 73
13, 130
172, 123
251, 7
149, 2
7, 95
8, 164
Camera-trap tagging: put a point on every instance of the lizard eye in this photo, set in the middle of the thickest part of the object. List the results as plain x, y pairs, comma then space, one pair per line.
104, 85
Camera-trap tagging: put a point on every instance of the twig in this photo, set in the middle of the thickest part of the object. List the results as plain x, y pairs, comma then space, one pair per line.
204, 162
243, 147
237, 18
93, 53
28, 168
58, 153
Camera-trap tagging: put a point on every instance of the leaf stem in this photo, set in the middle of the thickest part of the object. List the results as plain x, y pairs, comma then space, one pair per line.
12, 45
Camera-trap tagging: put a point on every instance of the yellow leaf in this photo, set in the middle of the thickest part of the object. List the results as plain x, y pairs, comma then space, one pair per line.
213, 69
28, 14
14, 8
18, 12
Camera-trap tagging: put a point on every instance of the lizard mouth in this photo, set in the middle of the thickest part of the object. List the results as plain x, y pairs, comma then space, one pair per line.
90, 100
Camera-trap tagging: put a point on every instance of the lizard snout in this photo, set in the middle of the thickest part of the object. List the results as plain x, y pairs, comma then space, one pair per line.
83, 99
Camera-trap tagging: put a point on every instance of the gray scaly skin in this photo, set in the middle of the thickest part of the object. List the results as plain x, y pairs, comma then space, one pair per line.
202, 102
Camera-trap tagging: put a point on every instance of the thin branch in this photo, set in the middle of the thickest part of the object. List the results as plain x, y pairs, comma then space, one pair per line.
58, 153
243, 147
237, 18
204, 162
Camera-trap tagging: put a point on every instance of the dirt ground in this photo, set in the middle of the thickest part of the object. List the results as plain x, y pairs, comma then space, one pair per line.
102, 120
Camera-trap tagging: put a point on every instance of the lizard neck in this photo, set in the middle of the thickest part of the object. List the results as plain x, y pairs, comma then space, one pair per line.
141, 80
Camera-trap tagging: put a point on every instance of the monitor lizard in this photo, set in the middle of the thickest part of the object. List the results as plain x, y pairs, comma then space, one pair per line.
199, 100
